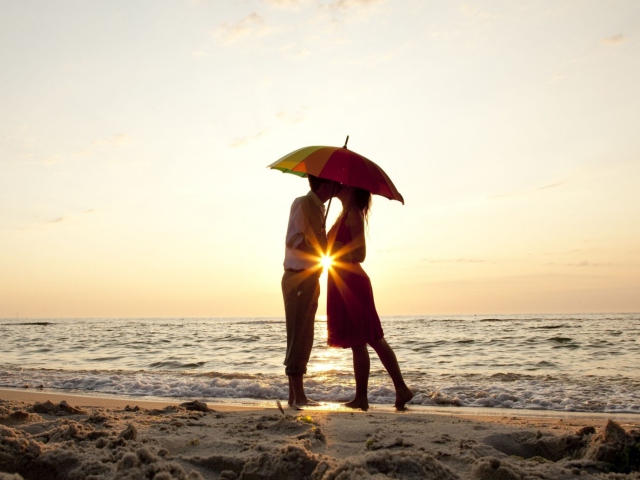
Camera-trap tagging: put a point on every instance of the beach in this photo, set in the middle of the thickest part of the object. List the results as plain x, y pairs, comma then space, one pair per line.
61, 436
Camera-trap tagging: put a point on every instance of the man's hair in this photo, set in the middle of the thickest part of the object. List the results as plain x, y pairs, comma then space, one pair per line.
315, 183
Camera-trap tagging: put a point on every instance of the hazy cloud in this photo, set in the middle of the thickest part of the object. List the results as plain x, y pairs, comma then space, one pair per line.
297, 116
550, 185
531, 190
112, 141
453, 260
282, 117
614, 40
251, 25
241, 141
295, 52
375, 58
331, 4
52, 160
346, 4
582, 264
585, 263
68, 217
285, 3
475, 12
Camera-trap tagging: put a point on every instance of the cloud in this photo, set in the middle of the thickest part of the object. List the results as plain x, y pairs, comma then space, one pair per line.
453, 260
282, 117
347, 4
530, 190
285, 3
69, 217
586, 263
548, 186
251, 25
52, 160
295, 52
297, 116
112, 141
474, 12
375, 59
581, 264
242, 141
614, 40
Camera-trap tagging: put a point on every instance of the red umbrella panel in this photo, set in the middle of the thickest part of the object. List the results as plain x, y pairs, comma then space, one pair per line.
341, 165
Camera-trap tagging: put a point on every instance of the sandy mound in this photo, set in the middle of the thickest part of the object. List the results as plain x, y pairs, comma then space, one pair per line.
62, 442
386, 464
614, 450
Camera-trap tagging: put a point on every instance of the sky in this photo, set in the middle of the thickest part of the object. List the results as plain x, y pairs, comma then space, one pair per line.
135, 136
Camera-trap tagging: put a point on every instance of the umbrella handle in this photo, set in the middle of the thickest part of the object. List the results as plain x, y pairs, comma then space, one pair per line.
326, 213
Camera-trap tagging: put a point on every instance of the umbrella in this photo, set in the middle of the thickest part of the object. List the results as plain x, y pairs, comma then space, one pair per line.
341, 165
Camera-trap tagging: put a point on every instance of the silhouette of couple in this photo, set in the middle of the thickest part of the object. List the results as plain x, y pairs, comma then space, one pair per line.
352, 320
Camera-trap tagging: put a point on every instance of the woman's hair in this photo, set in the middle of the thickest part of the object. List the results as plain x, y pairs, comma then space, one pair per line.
362, 200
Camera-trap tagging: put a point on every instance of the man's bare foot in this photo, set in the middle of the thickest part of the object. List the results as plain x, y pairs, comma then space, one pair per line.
358, 403
402, 398
307, 402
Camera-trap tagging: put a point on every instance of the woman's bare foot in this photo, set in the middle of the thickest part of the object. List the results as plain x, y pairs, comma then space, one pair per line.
358, 403
403, 397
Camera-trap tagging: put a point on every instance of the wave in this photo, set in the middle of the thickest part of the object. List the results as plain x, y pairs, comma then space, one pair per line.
500, 390
28, 323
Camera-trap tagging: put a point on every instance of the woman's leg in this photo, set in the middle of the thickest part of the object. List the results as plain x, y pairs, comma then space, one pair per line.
390, 362
361, 367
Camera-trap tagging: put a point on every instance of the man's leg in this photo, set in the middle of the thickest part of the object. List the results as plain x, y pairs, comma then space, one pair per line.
301, 294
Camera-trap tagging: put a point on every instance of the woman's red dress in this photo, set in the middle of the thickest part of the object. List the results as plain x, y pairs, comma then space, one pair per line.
352, 319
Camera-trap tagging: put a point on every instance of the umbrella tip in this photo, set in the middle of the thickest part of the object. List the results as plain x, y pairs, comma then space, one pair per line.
345, 142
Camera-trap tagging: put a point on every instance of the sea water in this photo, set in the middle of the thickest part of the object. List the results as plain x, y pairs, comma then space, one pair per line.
544, 362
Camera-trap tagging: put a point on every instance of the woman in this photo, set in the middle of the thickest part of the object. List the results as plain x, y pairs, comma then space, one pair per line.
352, 320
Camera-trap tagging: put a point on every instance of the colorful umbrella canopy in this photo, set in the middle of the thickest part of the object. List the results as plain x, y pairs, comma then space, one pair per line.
341, 165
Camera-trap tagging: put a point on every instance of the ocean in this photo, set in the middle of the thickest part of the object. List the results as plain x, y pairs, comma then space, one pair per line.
582, 363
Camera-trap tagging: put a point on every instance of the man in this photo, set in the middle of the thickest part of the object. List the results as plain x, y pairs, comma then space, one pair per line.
306, 242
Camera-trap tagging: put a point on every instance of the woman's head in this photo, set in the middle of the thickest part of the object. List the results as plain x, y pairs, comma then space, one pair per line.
355, 197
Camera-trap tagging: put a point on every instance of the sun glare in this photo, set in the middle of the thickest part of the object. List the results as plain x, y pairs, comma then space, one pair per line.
326, 262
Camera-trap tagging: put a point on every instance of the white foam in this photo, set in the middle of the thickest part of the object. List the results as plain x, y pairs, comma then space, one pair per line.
519, 394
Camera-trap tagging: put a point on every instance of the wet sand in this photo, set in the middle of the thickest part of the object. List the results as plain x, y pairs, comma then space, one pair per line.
45, 435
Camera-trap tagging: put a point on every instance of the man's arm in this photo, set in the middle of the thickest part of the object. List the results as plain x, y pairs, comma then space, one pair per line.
295, 230
300, 235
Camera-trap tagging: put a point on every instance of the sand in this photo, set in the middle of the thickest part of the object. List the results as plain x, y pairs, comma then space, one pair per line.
52, 436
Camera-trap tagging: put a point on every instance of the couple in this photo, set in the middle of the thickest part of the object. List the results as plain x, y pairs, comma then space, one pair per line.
352, 320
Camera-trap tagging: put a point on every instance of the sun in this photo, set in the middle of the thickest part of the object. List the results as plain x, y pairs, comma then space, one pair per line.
326, 261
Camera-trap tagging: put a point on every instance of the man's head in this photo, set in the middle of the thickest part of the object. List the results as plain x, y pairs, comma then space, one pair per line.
323, 188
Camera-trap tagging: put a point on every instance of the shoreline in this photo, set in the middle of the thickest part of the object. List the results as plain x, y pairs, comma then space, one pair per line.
114, 401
